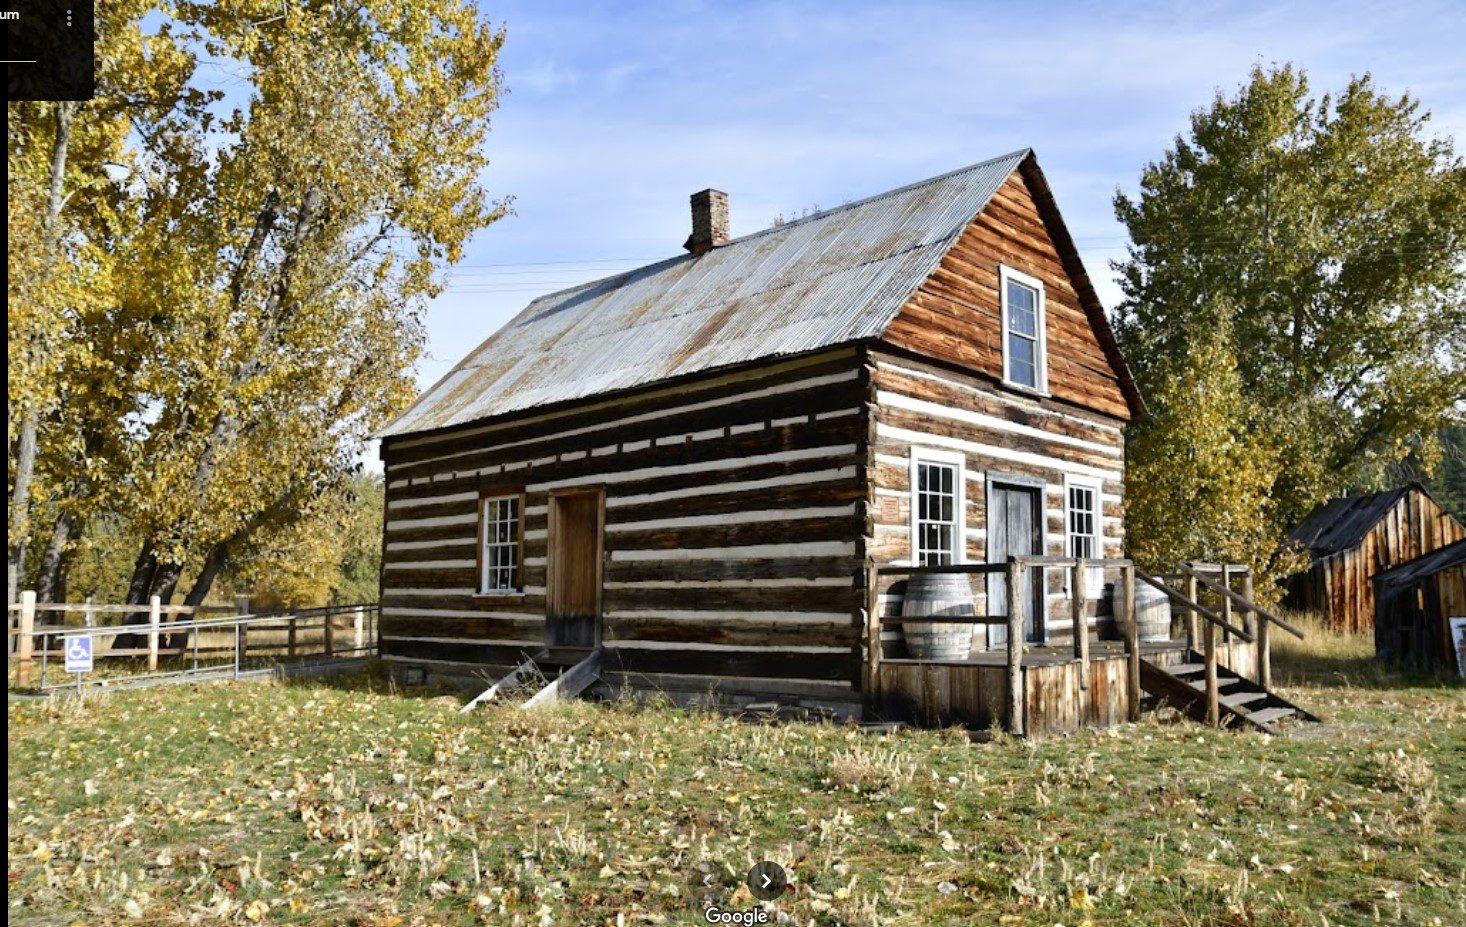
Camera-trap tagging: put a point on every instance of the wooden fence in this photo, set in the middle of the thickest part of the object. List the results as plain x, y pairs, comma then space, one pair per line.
173, 640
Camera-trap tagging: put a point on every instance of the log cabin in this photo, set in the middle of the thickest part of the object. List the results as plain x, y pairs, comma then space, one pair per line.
696, 467
1354, 538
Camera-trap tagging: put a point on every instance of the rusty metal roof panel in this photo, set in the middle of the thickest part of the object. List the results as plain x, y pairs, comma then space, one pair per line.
831, 278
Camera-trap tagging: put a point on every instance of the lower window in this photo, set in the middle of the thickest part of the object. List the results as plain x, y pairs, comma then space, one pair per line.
936, 510
1082, 524
499, 537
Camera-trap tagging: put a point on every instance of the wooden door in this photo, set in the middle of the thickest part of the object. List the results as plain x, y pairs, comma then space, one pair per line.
573, 596
1014, 528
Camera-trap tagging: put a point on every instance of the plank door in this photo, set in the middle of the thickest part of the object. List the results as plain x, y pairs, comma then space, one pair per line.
1014, 528
573, 594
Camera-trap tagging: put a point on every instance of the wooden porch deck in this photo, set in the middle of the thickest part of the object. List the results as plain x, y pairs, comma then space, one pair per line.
974, 692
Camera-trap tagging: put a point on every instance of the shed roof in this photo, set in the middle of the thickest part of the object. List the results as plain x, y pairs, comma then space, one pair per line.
834, 277
1342, 523
1426, 564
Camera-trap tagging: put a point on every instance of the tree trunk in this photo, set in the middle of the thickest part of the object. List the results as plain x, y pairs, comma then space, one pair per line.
207, 574
30, 416
143, 571
166, 581
49, 582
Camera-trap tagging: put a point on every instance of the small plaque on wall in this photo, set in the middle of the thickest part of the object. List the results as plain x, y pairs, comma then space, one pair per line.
890, 510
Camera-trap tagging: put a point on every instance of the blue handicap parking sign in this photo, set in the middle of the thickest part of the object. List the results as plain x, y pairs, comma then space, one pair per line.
79, 654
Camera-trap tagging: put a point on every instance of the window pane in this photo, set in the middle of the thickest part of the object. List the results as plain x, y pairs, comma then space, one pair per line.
1021, 296
1022, 309
1021, 368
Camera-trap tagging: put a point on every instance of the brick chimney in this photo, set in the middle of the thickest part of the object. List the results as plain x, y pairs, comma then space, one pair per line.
709, 222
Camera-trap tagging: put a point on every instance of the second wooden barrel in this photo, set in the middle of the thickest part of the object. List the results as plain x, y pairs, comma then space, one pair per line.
936, 595
1152, 612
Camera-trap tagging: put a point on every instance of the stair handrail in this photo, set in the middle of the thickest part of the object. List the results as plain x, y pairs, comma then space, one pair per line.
1193, 605
1242, 600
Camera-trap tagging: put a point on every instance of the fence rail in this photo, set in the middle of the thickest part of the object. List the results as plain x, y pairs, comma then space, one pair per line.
228, 646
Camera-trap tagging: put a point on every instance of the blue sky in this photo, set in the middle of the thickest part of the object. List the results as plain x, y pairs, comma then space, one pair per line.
616, 112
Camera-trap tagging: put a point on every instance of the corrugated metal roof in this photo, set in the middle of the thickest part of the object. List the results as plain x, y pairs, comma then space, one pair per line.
1342, 523
834, 277
1425, 565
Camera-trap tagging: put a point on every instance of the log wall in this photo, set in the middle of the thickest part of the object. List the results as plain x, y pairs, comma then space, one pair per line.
998, 433
733, 512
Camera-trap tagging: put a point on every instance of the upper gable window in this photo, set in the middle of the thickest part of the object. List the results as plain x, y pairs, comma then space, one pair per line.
1025, 363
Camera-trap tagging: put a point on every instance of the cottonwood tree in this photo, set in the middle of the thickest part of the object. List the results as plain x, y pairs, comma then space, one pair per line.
67, 162
1202, 464
272, 242
313, 234
1327, 238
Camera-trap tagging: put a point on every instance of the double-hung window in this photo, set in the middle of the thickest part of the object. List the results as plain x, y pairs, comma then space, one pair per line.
499, 544
937, 522
1082, 525
1024, 342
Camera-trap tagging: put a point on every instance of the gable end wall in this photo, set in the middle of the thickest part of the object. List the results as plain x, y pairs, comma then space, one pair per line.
955, 315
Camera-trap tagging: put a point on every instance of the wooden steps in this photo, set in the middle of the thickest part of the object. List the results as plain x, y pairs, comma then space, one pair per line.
568, 684
509, 683
1242, 702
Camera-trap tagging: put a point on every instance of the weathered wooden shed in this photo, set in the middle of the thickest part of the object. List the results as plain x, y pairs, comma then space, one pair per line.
696, 467
1353, 538
1414, 603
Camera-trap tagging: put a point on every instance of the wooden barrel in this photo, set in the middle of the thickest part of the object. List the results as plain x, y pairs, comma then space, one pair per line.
1152, 611
933, 594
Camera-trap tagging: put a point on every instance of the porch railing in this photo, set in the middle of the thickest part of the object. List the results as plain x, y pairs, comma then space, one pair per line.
1016, 574
1203, 623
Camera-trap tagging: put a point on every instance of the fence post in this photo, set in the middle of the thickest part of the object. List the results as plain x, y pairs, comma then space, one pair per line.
290, 636
155, 614
241, 635
1132, 639
1227, 612
26, 645
328, 630
1213, 703
1192, 618
874, 654
1264, 653
358, 620
87, 619
1081, 631
1016, 575
1250, 617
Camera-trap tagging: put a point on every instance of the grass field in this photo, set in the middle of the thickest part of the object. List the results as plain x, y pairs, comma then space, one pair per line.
348, 803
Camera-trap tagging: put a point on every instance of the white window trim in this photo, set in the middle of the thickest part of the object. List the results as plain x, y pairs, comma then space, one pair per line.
1041, 353
920, 455
517, 590
1095, 578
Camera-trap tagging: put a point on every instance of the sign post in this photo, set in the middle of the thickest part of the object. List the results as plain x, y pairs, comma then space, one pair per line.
79, 656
